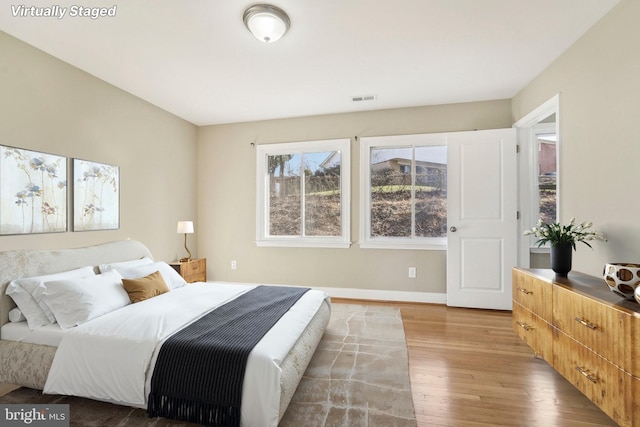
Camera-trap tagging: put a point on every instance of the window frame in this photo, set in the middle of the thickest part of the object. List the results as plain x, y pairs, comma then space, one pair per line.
393, 141
263, 238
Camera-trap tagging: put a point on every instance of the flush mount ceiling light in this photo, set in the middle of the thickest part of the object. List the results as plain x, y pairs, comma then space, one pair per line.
266, 22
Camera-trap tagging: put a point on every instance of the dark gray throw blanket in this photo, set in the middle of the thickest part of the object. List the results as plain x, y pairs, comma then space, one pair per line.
200, 369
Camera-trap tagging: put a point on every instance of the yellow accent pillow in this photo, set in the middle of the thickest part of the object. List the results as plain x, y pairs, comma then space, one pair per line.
145, 287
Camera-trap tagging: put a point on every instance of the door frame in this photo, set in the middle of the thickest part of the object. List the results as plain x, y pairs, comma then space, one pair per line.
526, 166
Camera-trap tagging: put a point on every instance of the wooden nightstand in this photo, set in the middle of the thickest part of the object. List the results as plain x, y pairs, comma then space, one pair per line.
194, 270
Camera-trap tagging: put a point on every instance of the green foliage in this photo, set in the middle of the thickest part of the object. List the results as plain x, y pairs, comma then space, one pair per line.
556, 233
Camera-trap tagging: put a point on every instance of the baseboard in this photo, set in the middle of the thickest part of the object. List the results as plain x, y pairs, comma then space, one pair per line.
375, 295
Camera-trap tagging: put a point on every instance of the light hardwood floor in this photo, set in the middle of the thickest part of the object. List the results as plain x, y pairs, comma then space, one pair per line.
469, 369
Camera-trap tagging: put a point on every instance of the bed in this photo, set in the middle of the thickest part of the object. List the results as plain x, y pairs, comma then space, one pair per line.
27, 356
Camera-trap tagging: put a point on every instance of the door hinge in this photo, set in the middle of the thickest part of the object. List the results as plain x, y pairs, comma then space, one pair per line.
517, 148
517, 214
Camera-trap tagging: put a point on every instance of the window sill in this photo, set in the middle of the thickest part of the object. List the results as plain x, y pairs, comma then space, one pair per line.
537, 250
301, 244
404, 246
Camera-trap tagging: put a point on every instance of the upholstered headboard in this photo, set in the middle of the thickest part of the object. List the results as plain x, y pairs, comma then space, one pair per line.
36, 262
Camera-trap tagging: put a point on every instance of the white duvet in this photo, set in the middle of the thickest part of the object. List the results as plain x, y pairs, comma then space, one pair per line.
111, 358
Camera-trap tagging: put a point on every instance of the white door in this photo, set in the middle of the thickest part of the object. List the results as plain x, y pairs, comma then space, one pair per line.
481, 216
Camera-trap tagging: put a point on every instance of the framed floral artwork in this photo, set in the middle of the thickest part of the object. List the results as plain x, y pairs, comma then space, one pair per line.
96, 196
33, 192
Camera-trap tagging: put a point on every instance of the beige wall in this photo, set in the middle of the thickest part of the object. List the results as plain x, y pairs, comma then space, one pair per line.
227, 200
598, 80
48, 105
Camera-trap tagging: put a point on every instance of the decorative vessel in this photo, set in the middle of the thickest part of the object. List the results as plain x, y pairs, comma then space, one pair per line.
623, 279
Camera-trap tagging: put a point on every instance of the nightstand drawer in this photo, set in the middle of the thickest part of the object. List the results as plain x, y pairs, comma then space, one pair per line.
194, 270
196, 267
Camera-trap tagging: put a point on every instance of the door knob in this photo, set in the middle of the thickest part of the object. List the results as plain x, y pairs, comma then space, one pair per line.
453, 229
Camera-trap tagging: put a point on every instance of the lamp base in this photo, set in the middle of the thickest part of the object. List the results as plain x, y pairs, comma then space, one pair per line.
187, 259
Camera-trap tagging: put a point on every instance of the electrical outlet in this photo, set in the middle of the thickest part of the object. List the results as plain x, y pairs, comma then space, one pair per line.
412, 272
234, 265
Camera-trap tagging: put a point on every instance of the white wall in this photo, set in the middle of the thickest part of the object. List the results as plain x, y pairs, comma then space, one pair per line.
50, 106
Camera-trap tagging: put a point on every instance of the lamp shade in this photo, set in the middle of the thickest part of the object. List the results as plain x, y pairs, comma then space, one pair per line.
266, 22
185, 227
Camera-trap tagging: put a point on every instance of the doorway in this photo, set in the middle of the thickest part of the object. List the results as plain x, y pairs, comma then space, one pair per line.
535, 188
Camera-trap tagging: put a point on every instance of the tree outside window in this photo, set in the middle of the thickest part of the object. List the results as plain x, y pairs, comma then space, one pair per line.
303, 194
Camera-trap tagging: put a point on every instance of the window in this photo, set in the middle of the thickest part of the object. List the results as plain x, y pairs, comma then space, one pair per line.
404, 192
546, 172
303, 194
543, 175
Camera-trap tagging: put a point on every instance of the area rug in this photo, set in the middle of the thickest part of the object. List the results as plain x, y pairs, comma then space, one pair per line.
359, 376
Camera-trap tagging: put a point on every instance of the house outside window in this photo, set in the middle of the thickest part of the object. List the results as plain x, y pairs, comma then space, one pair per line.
303, 194
404, 192
543, 177
547, 173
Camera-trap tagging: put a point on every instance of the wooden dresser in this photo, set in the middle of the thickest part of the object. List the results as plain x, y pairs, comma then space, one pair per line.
584, 331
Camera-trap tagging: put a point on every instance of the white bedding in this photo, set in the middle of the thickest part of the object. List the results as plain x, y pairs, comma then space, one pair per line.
111, 357
50, 335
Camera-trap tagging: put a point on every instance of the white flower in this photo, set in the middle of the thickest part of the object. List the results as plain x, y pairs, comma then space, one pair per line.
571, 233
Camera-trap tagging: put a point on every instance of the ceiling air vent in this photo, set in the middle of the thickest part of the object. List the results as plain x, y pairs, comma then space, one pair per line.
362, 98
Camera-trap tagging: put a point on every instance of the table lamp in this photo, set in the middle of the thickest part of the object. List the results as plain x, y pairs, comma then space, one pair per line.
185, 227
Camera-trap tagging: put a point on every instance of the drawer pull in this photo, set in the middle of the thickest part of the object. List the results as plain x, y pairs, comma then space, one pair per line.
586, 374
586, 323
523, 326
524, 291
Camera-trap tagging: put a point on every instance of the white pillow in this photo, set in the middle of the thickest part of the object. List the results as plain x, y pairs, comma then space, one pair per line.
16, 316
133, 263
170, 276
27, 293
76, 301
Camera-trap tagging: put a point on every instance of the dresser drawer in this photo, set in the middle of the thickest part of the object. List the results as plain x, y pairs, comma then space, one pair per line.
534, 331
532, 293
599, 380
635, 402
603, 329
